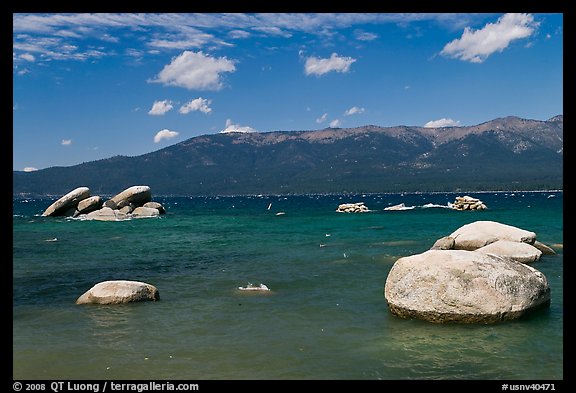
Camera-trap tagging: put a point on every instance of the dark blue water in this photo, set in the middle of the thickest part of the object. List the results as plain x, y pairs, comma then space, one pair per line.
326, 317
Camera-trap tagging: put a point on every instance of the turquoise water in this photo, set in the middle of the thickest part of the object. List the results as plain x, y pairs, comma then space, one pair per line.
326, 317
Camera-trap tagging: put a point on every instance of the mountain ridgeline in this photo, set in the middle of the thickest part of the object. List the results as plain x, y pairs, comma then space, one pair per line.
502, 154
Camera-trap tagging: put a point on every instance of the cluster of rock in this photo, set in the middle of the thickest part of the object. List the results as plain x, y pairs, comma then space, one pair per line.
135, 201
467, 203
477, 274
358, 207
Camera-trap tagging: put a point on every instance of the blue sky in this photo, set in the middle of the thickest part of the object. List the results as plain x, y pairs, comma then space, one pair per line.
92, 86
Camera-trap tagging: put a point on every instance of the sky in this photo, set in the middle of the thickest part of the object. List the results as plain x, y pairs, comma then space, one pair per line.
92, 86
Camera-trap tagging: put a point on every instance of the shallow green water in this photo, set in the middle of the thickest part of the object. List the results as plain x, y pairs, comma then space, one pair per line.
326, 317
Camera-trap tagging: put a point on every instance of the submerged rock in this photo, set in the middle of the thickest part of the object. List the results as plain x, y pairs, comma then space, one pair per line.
463, 286
119, 291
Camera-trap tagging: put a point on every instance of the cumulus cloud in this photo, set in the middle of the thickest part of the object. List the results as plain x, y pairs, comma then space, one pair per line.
318, 66
335, 123
322, 118
28, 57
195, 71
354, 111
197, 104
231, 127
30, 169
160, 107
66, 142
442, 123
476, 45
164, 134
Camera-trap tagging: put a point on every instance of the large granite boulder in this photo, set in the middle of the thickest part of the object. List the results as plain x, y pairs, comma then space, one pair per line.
481, 233
463, 286
90, 204
67, 203
137, 195
119, 291
517, 251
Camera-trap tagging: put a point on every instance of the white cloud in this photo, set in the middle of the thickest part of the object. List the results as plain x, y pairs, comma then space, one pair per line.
318, 66
476, 45
273, 30
160, 107
231, 127
195, 71
27, 57
237, 34
164, 134
66, 142
365, 36
30, 169
335, 123
442, 123
322, 118
354, 111
197, 104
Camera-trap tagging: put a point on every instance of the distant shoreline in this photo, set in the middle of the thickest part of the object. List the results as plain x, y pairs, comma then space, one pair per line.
20, 196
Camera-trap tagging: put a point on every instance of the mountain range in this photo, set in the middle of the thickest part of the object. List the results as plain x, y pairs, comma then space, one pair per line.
508, 153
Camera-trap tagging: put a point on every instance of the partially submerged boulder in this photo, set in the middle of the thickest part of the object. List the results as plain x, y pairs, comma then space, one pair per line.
90, 204
481, 233
119, 291
464, 286
516, 251
468, 203
67, 203
145, 212
357, 207
138, 195
106, 214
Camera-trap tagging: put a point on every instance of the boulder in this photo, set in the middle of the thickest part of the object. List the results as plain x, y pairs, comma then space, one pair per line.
155, 205
138, 195
68, 202
444, 243
106, 214
90, 204
481, 233
400, 206
463, 286
517, 251
145, 212
119, 291
468, 203
544, 248
357, 207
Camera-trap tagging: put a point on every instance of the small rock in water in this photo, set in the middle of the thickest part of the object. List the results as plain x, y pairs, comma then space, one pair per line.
250, 287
